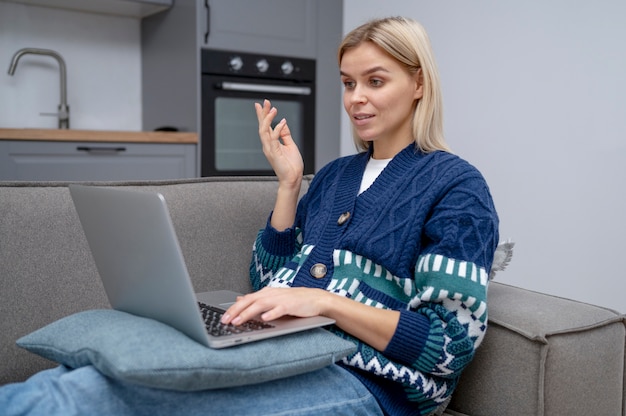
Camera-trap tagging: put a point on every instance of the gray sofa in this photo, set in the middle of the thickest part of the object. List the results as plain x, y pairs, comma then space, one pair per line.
542, 355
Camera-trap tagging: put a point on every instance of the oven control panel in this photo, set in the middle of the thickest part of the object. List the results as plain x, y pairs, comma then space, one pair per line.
244, 64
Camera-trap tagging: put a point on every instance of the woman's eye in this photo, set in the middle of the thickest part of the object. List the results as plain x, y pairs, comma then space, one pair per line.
376, 82
348, 84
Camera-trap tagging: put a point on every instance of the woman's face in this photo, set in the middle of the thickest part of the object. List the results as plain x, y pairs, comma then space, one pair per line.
379, 97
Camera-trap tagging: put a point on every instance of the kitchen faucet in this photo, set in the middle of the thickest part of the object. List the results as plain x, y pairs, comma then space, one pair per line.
64, 110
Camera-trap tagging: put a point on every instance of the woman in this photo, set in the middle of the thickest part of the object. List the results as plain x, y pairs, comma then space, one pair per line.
395, 243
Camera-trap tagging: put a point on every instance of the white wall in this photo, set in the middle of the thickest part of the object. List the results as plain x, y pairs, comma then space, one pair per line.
535, 97
103, 58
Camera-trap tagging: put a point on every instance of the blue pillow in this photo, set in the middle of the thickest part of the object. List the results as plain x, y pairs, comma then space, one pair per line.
152, 354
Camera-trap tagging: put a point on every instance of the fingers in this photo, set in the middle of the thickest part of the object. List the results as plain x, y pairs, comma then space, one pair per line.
272, 138
279, 148
284, 133
272, 303
265, 114
245, 308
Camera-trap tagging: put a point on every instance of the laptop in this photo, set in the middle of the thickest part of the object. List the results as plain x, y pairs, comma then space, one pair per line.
137, 254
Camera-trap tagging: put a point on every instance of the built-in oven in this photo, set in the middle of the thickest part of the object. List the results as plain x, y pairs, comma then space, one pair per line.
231, 83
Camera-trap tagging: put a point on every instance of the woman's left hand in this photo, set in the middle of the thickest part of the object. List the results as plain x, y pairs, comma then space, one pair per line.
271, 303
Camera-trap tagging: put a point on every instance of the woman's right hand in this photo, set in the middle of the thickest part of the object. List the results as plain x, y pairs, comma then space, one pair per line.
279, 147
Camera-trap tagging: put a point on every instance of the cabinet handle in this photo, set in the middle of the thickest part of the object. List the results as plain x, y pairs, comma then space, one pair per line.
100, 149
208, 21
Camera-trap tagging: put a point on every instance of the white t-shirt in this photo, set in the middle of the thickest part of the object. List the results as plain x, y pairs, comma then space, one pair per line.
372, 170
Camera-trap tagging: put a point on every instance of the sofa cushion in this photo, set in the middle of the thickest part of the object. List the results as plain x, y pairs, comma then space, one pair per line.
542, 355
149, 353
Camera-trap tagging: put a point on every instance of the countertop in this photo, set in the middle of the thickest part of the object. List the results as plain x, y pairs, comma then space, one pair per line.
99, 136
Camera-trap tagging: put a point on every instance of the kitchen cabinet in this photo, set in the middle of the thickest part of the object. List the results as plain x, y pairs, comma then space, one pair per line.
131, 8
277, 27
172, 43
95, 161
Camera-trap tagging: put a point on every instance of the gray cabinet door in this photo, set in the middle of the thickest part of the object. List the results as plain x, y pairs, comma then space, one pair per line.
278, 27
91, 161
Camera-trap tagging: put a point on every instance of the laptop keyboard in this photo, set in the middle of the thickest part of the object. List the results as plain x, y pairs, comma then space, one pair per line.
212, 316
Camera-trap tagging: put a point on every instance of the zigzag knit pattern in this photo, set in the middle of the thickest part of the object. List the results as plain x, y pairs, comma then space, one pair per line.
420, 240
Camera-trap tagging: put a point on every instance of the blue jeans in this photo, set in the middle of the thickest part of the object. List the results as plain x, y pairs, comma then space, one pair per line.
85, 391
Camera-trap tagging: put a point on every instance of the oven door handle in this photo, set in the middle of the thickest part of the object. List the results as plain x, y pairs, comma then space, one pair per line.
279, 89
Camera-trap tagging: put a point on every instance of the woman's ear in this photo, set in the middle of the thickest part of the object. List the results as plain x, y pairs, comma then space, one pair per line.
419, 84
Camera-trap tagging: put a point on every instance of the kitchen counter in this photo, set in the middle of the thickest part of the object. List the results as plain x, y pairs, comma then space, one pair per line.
99, 136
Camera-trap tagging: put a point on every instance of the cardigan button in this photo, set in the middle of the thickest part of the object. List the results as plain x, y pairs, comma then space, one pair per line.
343, 218
318, 270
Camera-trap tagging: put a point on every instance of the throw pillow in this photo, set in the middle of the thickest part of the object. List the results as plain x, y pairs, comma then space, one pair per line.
146, 352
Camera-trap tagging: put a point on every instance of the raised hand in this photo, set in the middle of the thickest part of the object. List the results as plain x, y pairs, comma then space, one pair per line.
278, 146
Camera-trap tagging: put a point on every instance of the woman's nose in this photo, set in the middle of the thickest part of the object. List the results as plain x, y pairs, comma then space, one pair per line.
358, 96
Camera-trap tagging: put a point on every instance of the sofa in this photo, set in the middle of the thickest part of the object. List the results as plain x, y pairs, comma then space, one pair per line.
542, 355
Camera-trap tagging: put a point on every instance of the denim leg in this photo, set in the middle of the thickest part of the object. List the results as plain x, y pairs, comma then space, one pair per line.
329, 391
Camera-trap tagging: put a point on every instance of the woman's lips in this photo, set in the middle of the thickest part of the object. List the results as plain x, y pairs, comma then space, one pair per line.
360, 119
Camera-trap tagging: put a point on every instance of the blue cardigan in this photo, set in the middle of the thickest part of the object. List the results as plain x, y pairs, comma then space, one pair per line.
420, 240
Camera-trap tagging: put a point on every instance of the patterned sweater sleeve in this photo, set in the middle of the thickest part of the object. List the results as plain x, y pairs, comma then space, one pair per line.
449, 306
272, 250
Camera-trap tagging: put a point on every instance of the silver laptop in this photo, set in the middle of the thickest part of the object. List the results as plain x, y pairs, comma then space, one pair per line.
136, 251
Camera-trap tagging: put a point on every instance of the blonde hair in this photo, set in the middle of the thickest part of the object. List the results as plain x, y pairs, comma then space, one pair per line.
406, 41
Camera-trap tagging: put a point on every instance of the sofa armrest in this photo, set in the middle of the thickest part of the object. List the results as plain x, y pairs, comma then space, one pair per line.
545, 355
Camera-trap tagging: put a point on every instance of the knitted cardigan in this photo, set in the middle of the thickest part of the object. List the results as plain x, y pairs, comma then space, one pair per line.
421, 241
